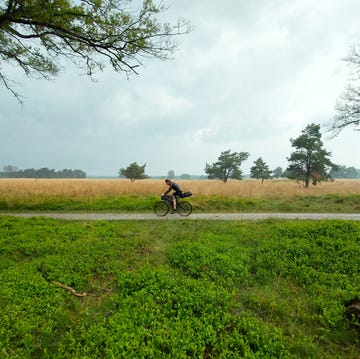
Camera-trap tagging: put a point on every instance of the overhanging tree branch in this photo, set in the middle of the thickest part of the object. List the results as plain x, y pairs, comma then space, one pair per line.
5, 82
37, 35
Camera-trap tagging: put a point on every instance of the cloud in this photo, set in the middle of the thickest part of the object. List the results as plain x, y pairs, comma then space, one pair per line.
248, 78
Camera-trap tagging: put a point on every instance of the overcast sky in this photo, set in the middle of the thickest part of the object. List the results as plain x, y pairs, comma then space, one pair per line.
250, 76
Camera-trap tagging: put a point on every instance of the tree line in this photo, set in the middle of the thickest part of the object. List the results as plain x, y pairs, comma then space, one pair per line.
14, 172
309, 163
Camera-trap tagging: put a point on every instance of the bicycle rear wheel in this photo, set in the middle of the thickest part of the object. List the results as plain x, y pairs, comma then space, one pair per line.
161, 208
184, 208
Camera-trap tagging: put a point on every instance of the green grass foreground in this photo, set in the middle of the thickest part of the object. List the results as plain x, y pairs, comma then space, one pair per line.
183, 289
203, 204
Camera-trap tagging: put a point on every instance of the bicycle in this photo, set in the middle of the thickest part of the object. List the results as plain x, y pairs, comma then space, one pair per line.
163, 207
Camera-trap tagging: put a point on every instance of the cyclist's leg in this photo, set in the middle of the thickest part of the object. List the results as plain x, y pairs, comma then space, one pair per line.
174, 200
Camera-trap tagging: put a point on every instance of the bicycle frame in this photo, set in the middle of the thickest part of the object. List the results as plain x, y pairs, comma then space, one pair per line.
162, 208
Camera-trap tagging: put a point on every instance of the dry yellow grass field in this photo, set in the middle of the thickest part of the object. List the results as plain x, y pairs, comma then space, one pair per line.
96, 188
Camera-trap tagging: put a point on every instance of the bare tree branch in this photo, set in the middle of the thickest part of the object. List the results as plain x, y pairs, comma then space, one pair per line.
347, 107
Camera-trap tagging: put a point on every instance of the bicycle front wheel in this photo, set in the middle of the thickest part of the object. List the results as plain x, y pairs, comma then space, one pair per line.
184, 208
161, 208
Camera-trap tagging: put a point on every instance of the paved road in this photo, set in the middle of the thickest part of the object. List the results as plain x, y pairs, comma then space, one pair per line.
193, 216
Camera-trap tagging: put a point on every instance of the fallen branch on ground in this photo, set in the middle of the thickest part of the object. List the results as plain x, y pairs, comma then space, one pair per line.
72, 290
42, 270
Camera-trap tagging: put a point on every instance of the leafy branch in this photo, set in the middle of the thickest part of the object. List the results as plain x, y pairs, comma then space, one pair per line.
36, 36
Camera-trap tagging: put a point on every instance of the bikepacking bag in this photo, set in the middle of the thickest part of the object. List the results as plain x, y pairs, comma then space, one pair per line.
186, 194
166, 197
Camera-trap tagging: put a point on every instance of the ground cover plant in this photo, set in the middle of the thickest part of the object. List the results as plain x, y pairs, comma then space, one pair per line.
184, 289
341, 196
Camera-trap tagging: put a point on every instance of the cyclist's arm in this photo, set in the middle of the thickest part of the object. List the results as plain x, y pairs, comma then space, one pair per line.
168, 190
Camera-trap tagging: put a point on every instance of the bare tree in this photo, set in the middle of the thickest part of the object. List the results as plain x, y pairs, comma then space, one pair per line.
348, 105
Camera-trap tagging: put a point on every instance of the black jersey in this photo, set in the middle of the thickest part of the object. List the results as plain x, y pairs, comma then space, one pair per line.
175, 187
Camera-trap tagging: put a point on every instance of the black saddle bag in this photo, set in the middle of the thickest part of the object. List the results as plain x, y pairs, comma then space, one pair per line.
186, 194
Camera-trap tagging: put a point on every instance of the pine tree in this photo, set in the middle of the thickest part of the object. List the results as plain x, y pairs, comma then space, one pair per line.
310, 161
260, 170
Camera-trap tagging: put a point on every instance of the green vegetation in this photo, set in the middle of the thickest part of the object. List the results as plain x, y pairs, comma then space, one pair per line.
203, 204
260, 170
14, 172
133, 172
38, 36
183, 289
227, 166
310, 162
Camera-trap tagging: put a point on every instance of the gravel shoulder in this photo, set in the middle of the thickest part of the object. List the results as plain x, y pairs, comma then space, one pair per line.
193, 216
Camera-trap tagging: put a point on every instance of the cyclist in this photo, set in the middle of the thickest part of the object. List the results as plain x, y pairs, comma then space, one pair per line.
177, 191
